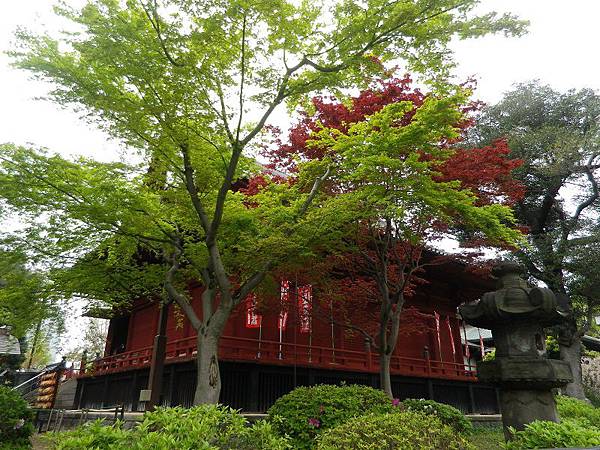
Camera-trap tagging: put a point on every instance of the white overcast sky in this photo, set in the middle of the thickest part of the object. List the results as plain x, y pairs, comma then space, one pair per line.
561, 49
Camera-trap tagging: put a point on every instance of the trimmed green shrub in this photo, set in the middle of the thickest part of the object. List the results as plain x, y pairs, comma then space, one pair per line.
571, 408
206, 427
15, 420
404, 430
93, 435
567, 434
447, 414
306, 412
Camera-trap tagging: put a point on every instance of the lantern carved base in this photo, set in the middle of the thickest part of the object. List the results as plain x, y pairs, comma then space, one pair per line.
526, 388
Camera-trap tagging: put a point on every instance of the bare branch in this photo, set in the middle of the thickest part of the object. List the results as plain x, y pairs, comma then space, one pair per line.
192, 190
154, 19
313, 192
211, 232
279, 97
223, 112
330, 318
242, 81
251, 283
594, 195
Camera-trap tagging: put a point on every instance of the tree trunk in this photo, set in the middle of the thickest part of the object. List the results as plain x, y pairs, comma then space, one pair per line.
384, 374
208, 386
572, 354
569, 342
36, 338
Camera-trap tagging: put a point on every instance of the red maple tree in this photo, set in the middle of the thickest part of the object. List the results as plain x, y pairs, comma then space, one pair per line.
368, 288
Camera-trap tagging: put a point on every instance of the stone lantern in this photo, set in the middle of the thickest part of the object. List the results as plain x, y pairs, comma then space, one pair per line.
517, 315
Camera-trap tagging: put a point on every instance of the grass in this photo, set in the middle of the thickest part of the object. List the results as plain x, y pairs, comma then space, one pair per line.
487, 438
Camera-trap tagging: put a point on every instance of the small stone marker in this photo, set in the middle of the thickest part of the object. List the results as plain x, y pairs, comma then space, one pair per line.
145, 395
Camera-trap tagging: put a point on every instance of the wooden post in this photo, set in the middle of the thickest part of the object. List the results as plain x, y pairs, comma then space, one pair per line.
83, 363
134, 391
77, 404
430, 389
254, 383
471, 399
171, 384
105, 392
157, 364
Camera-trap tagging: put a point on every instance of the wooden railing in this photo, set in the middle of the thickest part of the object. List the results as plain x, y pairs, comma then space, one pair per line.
287, 354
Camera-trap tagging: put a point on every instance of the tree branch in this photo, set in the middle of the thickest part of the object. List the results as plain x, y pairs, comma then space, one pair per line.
190, 185
175, 295
595, 194
248, 286
313, 192
243, 79
223, 113
154, 20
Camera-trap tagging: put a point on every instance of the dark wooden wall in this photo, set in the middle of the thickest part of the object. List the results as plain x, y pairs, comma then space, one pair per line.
254, 387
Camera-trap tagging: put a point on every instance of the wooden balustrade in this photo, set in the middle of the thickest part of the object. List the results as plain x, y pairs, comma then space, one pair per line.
287, 354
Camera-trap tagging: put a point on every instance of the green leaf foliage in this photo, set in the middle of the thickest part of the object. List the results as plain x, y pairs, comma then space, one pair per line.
306, 412
404, 430
390, 172
579, 427
175, 81
488, 438
26, 296
85, 221
592, 395
447, 414
569, 433
187, 87
15, 420
572, 408
206, 427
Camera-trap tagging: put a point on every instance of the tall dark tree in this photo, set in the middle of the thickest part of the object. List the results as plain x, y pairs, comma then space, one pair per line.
557, 135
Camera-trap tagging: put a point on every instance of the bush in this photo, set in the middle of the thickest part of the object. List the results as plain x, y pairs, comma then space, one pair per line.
306, 412
490, 356
567, 434
552, 347
202, 427
404, 430
93, 435
15, 420
571, 408
447, 414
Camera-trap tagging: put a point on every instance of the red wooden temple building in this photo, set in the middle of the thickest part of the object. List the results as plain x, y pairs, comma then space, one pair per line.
265, 356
